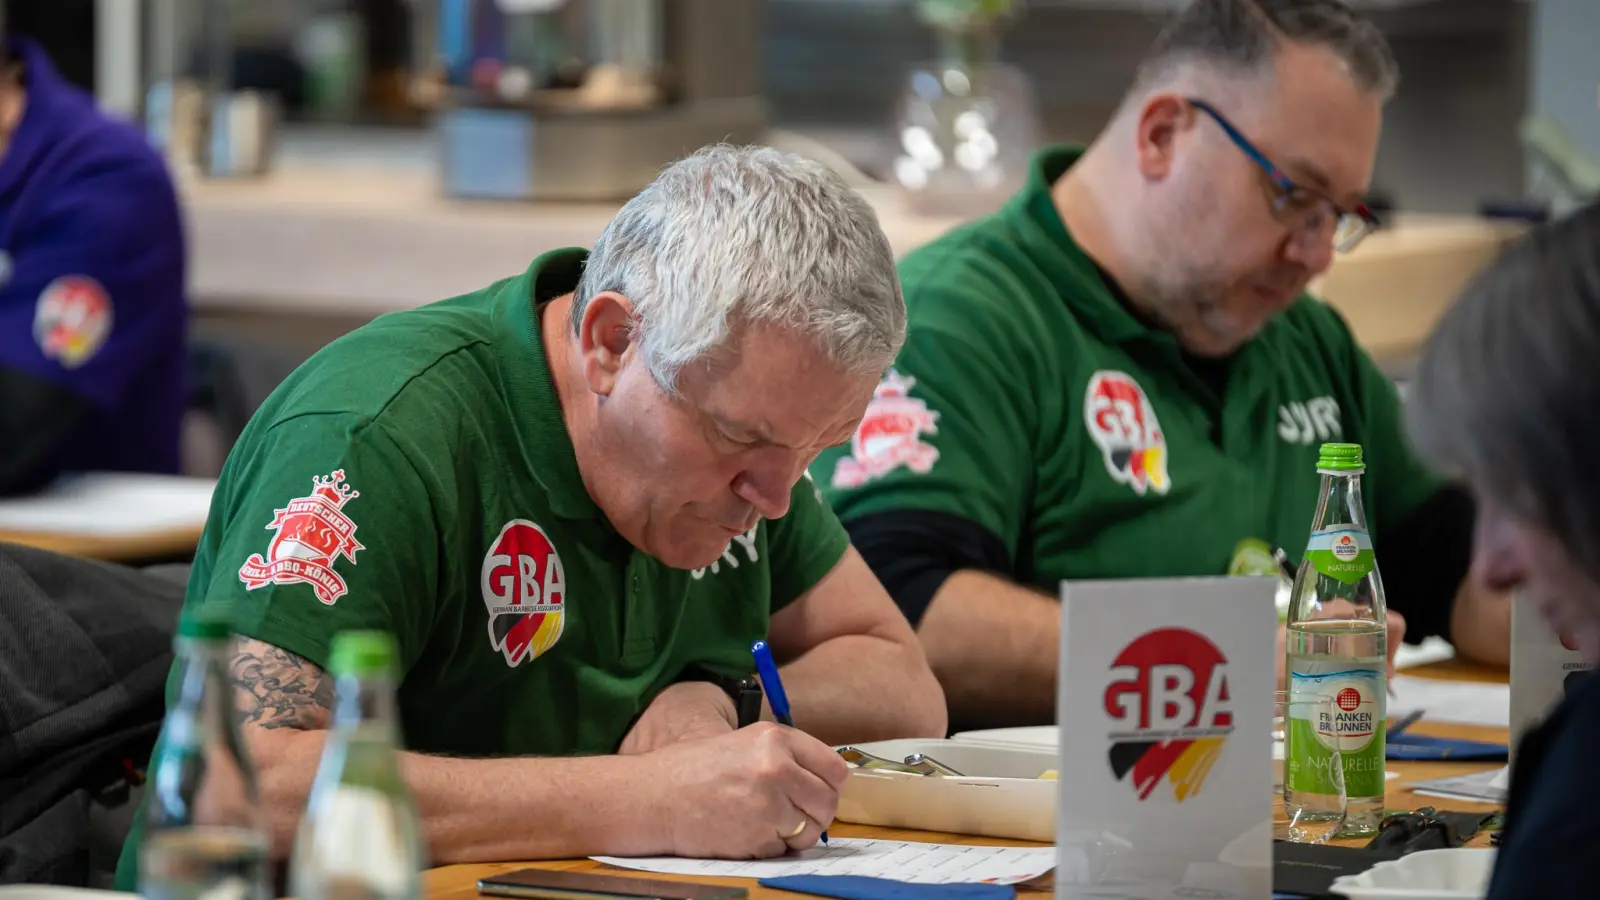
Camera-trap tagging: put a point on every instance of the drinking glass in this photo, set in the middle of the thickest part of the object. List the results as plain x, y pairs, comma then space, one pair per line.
1309, 767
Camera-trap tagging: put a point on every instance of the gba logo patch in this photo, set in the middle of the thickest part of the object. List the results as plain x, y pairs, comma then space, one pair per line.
1169, 698
1123, 423
72, 320
313, 533
525, 589
890, 435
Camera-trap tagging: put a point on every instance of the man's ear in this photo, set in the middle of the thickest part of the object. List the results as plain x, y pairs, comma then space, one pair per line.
1162, 118
605, 335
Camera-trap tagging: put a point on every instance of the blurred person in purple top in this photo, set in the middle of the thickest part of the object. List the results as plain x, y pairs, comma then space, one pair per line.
92, 305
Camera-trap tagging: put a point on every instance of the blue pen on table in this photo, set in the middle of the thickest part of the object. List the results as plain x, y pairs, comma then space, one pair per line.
1404, 722
772, 686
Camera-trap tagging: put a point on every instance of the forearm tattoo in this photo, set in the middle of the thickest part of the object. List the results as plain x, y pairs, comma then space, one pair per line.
274, 688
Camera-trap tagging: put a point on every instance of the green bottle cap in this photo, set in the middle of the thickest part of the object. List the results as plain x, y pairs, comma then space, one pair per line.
364, 653
206, 623
1340, 457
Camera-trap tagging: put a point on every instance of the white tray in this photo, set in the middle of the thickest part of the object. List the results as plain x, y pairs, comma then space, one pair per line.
1425, 875
1000, 793
1041, 737
58, 892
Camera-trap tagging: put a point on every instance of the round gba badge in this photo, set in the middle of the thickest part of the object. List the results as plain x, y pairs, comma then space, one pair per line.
525, 590
1123, 423
72, 320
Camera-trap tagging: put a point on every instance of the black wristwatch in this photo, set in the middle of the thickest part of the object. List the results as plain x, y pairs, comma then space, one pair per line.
744, 691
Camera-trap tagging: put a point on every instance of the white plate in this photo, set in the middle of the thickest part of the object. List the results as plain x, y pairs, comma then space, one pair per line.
1424, 875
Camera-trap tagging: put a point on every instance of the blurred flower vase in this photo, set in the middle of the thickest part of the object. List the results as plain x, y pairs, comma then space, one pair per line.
966, 124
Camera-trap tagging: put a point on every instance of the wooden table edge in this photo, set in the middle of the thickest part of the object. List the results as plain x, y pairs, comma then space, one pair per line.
165, 542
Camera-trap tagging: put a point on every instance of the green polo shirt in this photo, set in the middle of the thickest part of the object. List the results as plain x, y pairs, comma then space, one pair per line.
416, 476
1029, 400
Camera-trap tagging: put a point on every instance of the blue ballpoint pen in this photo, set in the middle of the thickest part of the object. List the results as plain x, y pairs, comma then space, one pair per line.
772, 685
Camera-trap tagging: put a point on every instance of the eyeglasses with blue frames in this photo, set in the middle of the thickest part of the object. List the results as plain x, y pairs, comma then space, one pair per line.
1299, 207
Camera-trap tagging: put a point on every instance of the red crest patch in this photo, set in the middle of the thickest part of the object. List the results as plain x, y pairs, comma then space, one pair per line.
890, 435
313, 533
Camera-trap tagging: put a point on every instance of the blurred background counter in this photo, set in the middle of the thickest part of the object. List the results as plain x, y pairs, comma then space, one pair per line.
357, 138
329, 239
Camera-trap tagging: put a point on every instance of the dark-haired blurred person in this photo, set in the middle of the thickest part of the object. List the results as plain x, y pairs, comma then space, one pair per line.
92, 304
1507, 394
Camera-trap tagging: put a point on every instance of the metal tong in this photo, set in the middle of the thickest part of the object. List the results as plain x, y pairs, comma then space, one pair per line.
915, 764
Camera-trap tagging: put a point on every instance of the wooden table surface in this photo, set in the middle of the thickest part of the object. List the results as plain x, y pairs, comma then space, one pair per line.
460, 882
160, 544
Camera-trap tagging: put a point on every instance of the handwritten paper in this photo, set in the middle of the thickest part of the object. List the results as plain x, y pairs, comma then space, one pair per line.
1457, 702
907, 861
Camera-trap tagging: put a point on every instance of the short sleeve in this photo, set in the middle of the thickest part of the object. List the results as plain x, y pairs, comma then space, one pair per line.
947, 431
804, 545
95, 290
324, 525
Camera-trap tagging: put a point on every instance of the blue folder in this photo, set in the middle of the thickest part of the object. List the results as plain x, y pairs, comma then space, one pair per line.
1408, 746
861, 887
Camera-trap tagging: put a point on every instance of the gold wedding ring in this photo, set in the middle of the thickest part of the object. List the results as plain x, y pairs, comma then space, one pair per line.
797, 829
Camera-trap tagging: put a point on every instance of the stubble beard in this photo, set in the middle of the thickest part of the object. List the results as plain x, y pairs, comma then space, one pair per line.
1187, 301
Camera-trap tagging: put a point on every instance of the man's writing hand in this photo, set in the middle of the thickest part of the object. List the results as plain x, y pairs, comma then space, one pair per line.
752, 794
687, 711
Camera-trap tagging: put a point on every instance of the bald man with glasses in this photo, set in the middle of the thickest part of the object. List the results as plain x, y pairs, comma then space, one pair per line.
1120, 374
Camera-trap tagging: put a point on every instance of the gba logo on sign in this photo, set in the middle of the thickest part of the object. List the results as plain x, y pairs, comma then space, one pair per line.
1169, 699
525, 589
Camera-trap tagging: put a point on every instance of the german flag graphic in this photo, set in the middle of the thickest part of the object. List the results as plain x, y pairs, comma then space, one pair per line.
1169, 694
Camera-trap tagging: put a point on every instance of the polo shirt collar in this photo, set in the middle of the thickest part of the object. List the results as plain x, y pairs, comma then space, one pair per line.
1046, 241
529, 388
